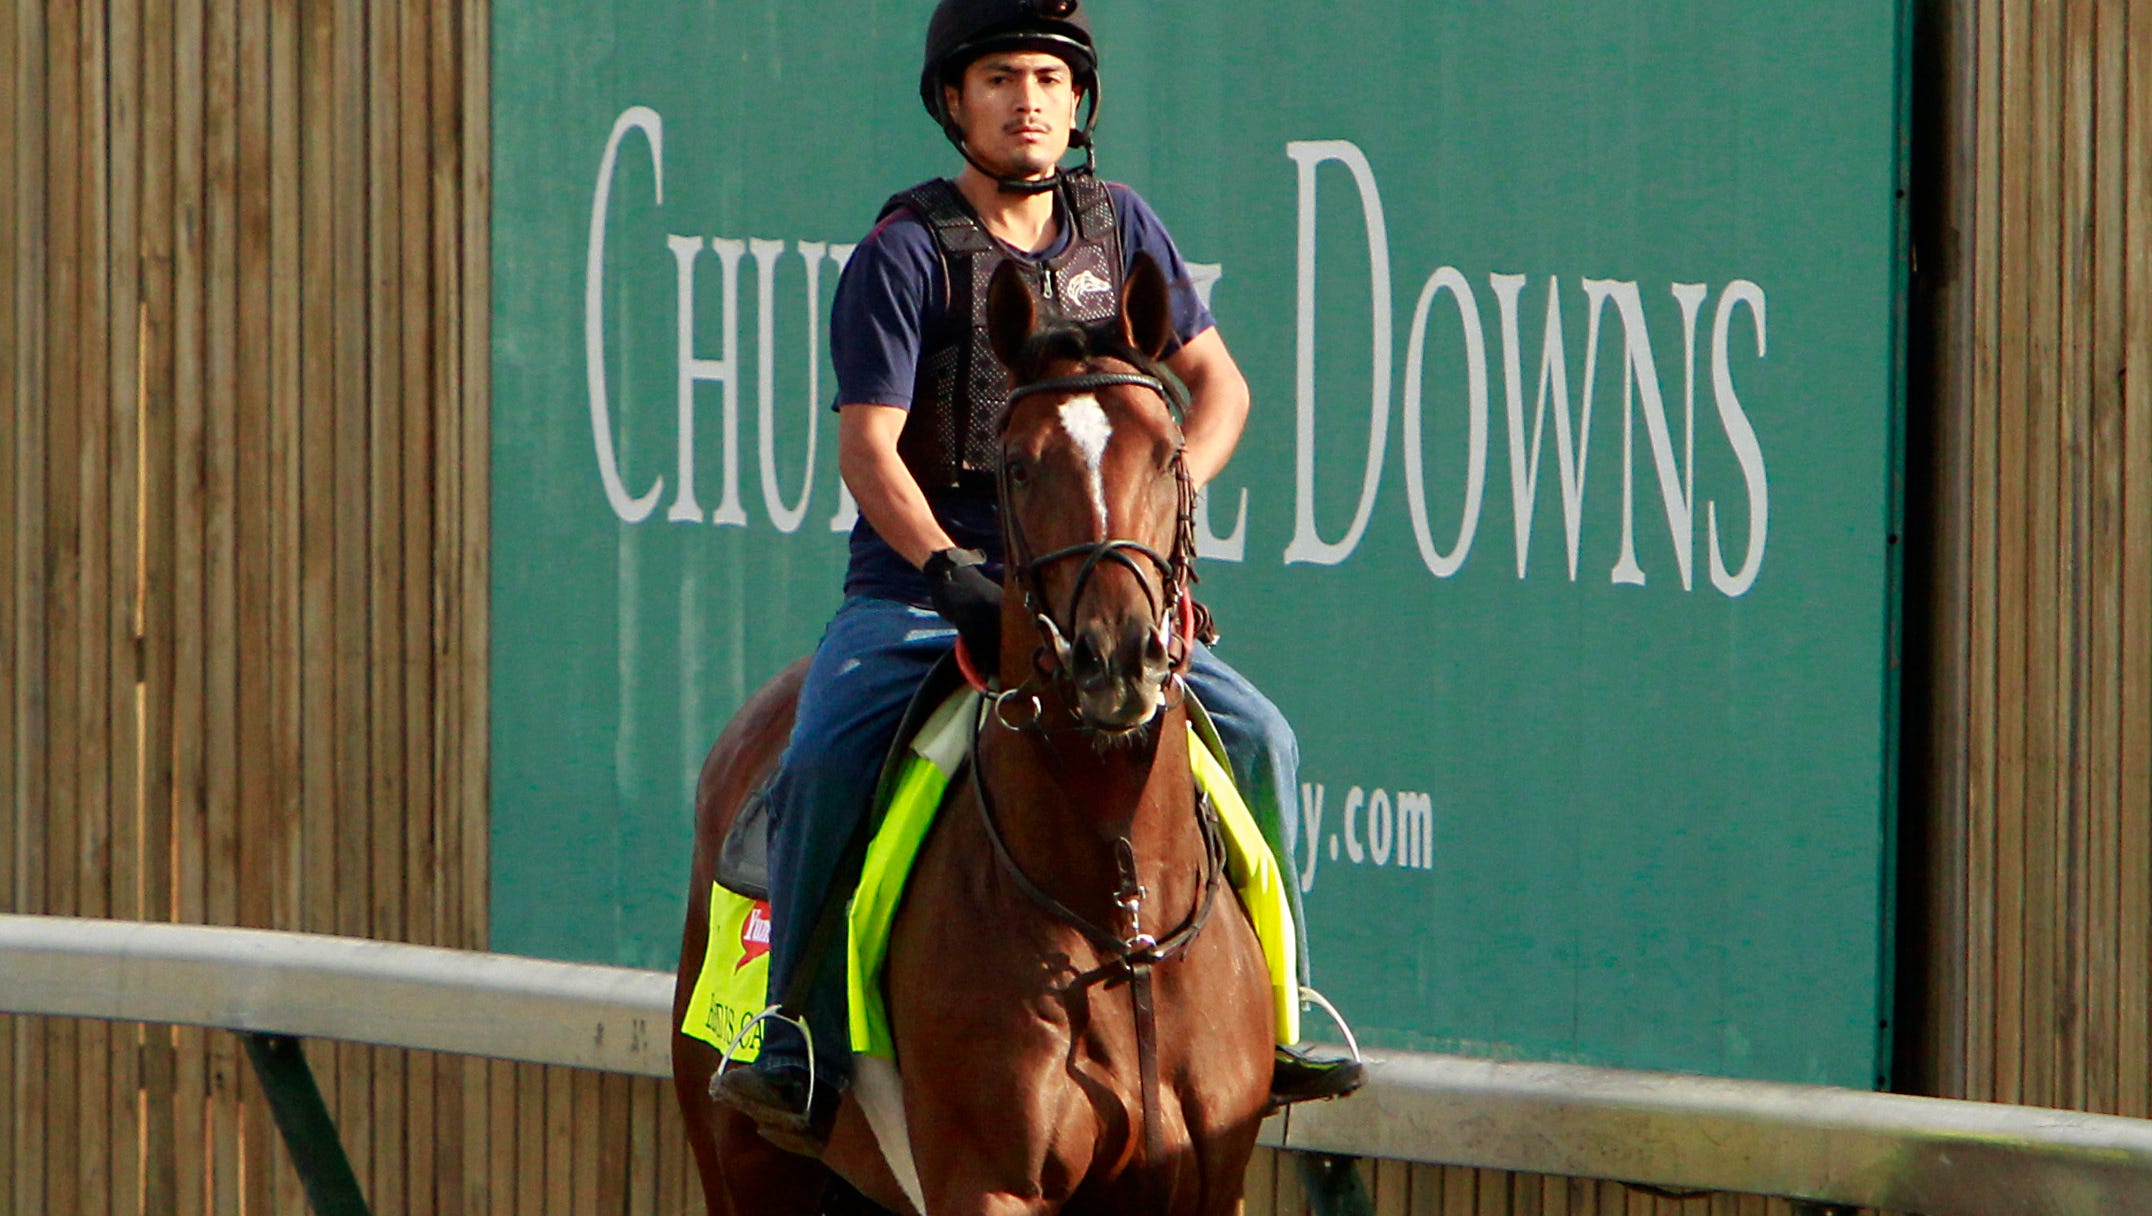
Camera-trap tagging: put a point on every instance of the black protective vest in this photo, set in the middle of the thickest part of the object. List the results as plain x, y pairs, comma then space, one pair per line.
961, 389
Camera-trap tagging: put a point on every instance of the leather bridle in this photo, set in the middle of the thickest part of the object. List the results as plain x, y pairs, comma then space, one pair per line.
1130, 954
1165, 586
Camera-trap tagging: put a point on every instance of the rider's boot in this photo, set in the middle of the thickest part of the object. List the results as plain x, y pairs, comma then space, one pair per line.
1296, 1076
775, 1096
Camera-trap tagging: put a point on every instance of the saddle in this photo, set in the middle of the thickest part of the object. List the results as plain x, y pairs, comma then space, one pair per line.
931, 747
743, 859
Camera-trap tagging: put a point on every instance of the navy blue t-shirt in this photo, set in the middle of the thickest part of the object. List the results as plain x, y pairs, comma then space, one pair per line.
892, 292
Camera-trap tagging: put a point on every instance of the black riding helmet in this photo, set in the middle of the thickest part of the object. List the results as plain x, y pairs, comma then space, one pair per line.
962, 30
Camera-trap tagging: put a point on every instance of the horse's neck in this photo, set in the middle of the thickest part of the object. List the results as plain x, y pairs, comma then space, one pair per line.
1062, 803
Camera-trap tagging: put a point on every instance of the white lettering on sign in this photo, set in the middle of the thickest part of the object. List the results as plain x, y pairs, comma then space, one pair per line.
1376, 828
1642, 392
1308, 544
1732, 562
693, 369
630, 508
1232, 547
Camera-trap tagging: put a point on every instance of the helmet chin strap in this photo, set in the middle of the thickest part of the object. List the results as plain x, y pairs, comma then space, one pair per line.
1029, 185
1081, 137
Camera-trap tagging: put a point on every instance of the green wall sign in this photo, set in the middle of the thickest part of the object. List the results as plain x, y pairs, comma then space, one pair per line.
1562, 528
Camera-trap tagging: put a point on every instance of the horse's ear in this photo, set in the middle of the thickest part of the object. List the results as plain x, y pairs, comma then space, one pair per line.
1011, 313
1146, 308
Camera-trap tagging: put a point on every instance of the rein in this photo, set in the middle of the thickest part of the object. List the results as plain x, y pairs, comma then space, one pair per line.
1130, 955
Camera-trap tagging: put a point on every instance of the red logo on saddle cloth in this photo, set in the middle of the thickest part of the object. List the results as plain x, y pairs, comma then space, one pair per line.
754, 934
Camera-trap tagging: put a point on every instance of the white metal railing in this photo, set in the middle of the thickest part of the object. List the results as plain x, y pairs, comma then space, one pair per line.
1889, 1151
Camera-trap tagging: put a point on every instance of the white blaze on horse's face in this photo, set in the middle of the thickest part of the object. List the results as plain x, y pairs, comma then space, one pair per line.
1085, 421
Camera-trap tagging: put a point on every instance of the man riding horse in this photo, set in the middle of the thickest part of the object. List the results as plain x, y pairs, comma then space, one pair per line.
920, 396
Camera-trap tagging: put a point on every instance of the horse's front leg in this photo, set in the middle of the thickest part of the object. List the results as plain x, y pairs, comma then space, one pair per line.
1004, 1141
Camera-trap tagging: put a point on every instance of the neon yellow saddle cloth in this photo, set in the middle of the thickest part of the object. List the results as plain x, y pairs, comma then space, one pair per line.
734, 982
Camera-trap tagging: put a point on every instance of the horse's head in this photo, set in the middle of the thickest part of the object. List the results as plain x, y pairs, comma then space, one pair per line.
1096, 501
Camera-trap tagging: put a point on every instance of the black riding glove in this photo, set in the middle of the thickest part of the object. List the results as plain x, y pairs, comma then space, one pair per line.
969, 600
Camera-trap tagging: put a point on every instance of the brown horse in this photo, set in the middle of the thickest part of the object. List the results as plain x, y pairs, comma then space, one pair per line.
1076, 1032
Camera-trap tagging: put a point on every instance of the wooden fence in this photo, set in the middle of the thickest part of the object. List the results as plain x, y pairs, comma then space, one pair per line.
243, 457
2028, 935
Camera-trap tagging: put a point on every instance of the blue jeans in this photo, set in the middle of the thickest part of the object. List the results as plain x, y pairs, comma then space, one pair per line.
873, 656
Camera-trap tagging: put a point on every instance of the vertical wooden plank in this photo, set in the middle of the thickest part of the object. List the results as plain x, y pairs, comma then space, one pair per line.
13, 179
1426, 1190
1290, 1196
446, 537
1554, 1196
387, 803
1984, 330
1393, 1188
457, 1149
221, 576
252, 475
416, 612
29, 707
125, 383
315, 425
258, 815
2006, 1034
444, 792
2100, 770
1460, 1191
158, 441
283, 405
93, 748
316, 421
586, 1151
645, 1100
385, 467
672, 1154
415, 448
1494, 1192
474, 1195
530, 1140
286, 405
559, 1142
419, 1166
1937, 1062
221, 567
1258, 1186
2079, 565
351, 822
615, 1110
63, 557
505, 1120
227, 1109
2134, 856
190, 1143
444, 1180
1925, 1052
474, 570
2046, 627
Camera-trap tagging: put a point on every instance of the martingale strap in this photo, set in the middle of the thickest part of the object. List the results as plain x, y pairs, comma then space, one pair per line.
1133, 957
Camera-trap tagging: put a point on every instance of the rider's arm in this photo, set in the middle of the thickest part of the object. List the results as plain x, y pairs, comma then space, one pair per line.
1217, 402
887, 493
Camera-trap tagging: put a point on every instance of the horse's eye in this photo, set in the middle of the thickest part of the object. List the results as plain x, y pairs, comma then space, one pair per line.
1019, 473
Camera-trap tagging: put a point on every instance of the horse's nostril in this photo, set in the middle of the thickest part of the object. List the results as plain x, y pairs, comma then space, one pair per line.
1086, 657
1154, 647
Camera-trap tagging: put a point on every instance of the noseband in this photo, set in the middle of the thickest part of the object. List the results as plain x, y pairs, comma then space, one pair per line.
1170, 602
